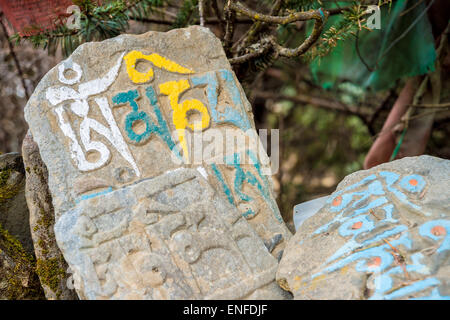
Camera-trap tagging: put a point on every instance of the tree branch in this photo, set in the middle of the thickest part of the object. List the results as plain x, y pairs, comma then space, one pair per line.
301, 49
201, 12
215, 9
320, 102
427, 105
318, 15
14, 56
264, 47
230, 17
257, 27
298, 16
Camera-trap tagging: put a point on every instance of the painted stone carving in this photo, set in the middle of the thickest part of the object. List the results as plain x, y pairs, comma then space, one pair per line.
384, 234
124, 113
170, 237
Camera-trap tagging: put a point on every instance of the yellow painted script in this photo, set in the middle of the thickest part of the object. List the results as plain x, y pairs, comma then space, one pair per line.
159, 61
173, 89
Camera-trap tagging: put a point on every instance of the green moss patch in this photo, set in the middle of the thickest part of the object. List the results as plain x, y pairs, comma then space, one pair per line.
24, 268
7, 192
50, 272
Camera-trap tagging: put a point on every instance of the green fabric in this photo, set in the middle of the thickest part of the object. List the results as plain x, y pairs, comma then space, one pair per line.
413, 55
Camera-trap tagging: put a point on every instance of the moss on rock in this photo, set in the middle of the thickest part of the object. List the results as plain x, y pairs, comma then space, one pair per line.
10, 163
7, 191
50, 273
22, 280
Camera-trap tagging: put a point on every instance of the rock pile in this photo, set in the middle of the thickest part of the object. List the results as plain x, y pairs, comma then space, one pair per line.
137, 189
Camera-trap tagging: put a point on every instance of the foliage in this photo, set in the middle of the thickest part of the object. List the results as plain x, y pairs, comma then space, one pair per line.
342, 27
111, 18
345, 28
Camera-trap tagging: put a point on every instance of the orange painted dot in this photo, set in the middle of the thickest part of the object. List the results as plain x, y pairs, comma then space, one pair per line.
375, 262
357, 225
438, 231
413, 182
337, 201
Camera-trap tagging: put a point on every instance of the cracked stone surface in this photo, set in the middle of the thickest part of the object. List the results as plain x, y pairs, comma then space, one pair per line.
384, 234
138, 213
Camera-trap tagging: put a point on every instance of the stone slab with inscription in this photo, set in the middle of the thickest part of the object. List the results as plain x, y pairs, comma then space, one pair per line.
383, 234
141, 210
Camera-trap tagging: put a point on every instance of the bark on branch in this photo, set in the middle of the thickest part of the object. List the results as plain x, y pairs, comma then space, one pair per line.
263, 46
293, 17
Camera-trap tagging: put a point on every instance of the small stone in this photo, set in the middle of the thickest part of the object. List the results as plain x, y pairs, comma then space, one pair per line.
383, 234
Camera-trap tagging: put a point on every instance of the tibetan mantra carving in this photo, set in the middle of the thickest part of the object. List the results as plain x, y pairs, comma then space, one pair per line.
384, 234
136, 215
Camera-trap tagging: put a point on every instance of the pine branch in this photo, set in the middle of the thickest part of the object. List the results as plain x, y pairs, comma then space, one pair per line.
230, 17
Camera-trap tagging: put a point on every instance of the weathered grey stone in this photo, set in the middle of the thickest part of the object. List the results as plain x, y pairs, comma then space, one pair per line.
50, 264
170, 237
131, 219
13, 207
384, 234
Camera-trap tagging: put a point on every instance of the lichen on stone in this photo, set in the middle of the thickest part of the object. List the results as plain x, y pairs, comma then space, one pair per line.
22, 280
51, 273
7, 191
45, 221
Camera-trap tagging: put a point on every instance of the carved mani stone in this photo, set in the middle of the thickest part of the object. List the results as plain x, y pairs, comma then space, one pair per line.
150, 200
384, 234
